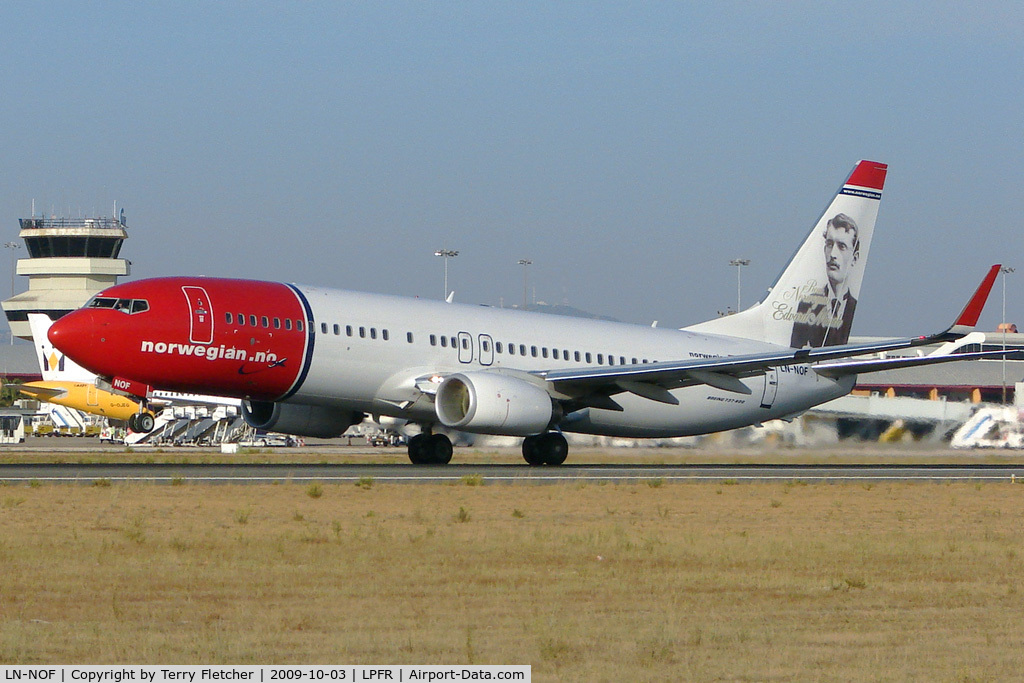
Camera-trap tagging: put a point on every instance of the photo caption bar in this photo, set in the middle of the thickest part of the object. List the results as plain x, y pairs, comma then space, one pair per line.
263, 674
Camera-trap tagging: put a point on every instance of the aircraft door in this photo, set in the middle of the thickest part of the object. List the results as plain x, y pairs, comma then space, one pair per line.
465, 347
771, 387
91, 395
201, 313
486, 349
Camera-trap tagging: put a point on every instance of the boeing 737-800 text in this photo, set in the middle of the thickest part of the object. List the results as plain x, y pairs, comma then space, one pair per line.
312, 361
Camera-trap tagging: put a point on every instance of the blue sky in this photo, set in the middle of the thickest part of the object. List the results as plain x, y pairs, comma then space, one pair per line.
629, 149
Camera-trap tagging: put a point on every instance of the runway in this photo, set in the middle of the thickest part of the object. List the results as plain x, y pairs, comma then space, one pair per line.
12, 474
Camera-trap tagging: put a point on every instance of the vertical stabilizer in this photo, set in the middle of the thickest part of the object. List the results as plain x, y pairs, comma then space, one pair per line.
53, 364
814, 300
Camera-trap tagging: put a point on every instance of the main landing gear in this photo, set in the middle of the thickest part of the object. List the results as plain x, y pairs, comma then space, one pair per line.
141, 423
545, 449
430, 449
436, 449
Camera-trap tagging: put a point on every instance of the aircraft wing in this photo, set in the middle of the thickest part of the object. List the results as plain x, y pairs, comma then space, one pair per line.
40, 393
652, 380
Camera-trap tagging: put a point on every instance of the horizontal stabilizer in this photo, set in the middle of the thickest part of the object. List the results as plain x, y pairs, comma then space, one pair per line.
857, 367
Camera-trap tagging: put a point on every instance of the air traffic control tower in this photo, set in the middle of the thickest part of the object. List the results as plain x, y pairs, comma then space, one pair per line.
69, 260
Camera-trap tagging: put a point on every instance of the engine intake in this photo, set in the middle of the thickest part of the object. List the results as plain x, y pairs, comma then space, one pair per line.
299, 419
490, 403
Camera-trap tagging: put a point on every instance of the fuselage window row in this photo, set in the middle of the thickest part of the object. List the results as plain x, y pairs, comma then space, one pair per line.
241, 320
445, 341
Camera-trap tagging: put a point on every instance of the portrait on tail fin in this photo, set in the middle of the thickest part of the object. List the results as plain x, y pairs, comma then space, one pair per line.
824, 315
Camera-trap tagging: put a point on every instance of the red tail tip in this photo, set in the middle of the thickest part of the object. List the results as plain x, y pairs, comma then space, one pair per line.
870, 174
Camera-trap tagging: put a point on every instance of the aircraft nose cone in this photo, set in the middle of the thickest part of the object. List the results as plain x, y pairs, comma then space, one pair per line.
74, 335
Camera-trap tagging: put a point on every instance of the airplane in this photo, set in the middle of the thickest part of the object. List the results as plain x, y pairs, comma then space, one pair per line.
312, 361
68, 384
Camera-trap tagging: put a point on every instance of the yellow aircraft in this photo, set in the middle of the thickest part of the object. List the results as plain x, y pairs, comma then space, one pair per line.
82, 396
68, 384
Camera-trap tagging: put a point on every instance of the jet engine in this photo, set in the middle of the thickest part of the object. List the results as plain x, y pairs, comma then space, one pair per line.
299, 419
491, 403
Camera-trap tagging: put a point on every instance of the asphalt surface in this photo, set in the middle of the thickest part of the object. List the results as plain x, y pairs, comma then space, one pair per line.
492, 474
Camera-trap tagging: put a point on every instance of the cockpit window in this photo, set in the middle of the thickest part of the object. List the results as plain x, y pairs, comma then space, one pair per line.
101, 302
124, 305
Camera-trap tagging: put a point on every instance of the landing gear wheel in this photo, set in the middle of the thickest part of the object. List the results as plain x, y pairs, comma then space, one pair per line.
430, 449
531, 452
418, 449
145, 422
441, 449
132, 424
545, 449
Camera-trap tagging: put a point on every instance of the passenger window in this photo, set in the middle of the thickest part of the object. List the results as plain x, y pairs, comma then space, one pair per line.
287, 323
362, 333
444, 342
227, 318
241, 319
298, 325
408, 337
522, 349
634, 360
611, 360
511, 349
533, 351
384, 335
600, 359
277, 323
252, 320
576, 356
497, 347
486, 346
348, 330
433, 340
465, 343
373, 333
265, 321
323, 328
588, 356
454, 343
336, 329
544, 351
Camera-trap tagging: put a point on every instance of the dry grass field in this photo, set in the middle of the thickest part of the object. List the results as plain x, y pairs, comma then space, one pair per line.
748, 582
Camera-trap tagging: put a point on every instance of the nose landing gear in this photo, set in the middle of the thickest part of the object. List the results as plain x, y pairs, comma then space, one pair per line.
142, 423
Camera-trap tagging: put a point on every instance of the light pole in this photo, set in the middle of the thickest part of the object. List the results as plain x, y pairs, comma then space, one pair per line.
446, 254
14, 260
14, 263
739, 263
525, 262
1005, 270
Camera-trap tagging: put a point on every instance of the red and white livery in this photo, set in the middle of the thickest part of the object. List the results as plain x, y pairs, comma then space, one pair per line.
312, 361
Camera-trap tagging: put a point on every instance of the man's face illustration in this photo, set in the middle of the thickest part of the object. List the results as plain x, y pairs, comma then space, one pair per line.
840, 254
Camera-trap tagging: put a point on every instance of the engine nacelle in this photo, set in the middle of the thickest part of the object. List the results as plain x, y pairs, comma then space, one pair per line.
299, 419
490, 403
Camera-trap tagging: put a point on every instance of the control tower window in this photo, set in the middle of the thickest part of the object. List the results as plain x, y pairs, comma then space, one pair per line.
63, 246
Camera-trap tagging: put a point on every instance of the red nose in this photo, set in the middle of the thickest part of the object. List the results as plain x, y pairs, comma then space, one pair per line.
75, 335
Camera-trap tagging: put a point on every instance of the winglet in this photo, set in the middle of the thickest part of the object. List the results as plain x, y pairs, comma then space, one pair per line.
968, 317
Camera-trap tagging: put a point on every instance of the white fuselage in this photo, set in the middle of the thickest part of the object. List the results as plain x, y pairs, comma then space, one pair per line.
354, 367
